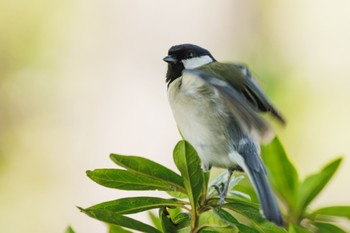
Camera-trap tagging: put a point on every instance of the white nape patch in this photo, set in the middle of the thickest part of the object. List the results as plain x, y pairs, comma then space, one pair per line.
195, 62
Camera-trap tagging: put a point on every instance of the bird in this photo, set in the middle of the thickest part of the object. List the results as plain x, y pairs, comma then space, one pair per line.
217, 108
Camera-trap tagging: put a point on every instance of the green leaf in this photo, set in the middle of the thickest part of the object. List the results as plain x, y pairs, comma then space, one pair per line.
219, 229
251, 212
184, 229
69, 230
169, 226
131, 205
243, 228
246, 187
269, 227
327, 228
125, 180
188, 163
177, 195
226, 215
247, 209
297, 229
155, 220
181, 217
211, 221
281, 172
111, 217
148, 168
117, 229
338, 211
313, 184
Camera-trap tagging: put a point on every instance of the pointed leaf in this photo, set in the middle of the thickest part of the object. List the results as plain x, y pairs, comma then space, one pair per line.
155, 220
339, 211
117, 229
148, 168
69, 230
313, 184
131, 205
251, 212
110, 217
281, 172
188, 163
125, 180
328, 228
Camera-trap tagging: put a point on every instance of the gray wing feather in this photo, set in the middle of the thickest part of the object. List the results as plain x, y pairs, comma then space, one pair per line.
256, 96
238, 105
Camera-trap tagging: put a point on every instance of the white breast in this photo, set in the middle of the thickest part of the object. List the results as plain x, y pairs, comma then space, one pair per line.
196, 117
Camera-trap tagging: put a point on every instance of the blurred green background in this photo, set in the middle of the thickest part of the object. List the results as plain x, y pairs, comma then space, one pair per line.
81, 79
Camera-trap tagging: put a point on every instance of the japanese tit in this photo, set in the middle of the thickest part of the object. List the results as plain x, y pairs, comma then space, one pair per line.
216, 107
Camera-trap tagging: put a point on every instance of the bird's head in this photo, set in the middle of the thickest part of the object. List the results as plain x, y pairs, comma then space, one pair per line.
185, 56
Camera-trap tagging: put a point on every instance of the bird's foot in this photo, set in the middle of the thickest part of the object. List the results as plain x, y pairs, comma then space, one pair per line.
221, 189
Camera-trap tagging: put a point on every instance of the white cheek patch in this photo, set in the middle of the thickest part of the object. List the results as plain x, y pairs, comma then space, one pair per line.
196, 61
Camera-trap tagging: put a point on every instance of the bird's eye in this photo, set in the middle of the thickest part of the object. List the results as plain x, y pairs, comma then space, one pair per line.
189, 54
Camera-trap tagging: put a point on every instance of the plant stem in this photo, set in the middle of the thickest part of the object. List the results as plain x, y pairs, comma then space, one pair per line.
194, 220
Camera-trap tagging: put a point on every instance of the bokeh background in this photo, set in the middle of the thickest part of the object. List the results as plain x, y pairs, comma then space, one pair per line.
81, 79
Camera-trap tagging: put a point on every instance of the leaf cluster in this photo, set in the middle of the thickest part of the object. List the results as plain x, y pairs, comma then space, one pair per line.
296, 195
195, 205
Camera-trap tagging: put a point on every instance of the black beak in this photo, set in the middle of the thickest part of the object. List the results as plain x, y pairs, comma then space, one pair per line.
170, 59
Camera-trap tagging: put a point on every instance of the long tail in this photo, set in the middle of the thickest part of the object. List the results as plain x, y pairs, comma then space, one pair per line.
254, 167
267, 199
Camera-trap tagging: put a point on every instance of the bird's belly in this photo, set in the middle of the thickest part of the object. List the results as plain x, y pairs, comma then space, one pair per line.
203, 123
